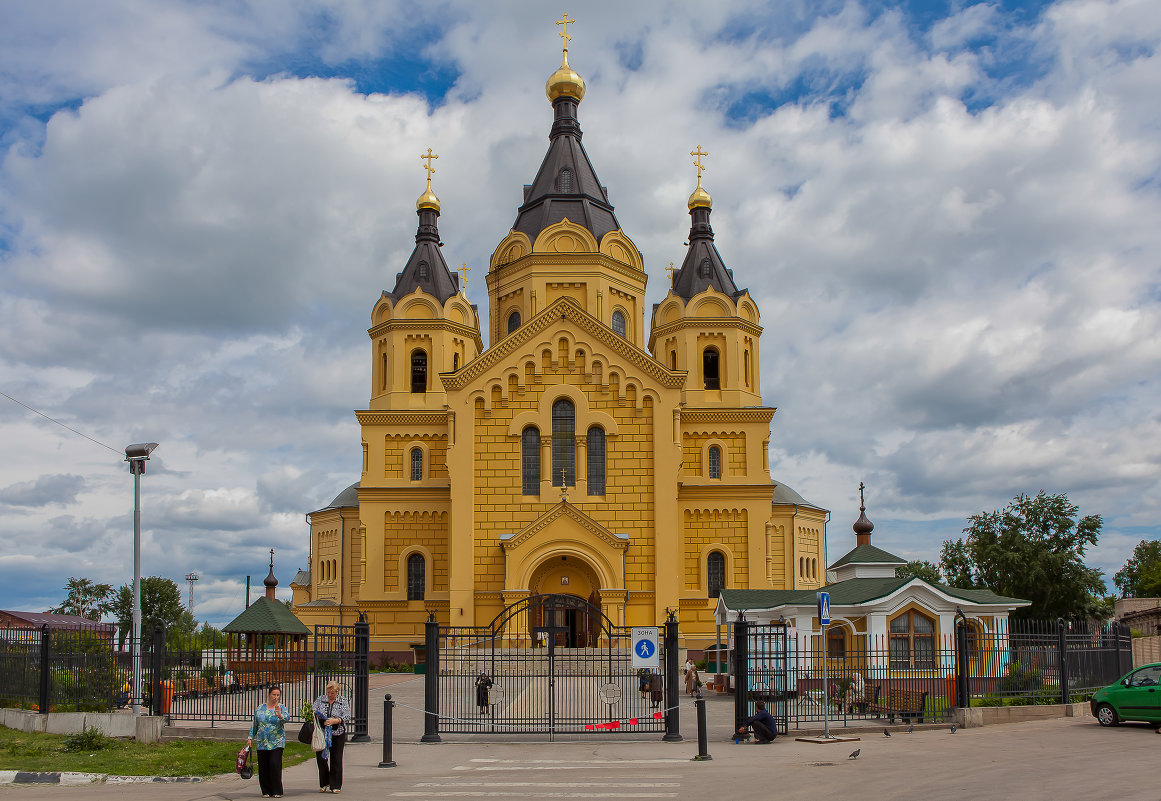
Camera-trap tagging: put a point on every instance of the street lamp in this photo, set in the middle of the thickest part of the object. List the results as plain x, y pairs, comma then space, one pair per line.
137, 456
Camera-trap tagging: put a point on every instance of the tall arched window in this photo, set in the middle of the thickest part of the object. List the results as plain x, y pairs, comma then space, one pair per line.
705, 269
416, 464
455, 362
530, 461
715, 571
421, 271
596, 458
513, 321
911, 639
563, 444
672, 360
565, 181
709, 368
416, 577
747, 368
619, 323
419, 370
715, 462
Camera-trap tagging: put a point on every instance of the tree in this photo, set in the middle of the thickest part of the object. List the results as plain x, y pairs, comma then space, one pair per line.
1033, 549
160, 603
920, 568
1141, 575
85, 598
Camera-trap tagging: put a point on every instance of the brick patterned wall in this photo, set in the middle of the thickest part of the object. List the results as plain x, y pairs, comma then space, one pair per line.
404, 529
705, 526
693, 445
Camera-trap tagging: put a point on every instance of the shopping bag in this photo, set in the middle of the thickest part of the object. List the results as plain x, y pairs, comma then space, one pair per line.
306, 733
243, 764
318, 740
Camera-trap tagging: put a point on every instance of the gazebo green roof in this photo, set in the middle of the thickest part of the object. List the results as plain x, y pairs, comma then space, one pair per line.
868, 554
265, 616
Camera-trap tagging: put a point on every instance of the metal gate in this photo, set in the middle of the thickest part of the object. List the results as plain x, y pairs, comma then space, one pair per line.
550, 664
762, 654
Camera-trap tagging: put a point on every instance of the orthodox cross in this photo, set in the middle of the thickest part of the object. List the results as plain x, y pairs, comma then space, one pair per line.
862, 506
564, 22
428, 156
697, 154
272, 559
463, 278
563, 487
671, 271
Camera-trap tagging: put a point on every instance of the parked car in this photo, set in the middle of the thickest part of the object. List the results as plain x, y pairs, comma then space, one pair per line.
1137, 696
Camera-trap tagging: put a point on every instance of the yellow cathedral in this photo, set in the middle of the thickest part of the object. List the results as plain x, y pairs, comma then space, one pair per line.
581, 453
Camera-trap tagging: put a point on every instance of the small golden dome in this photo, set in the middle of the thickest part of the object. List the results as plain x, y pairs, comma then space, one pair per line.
427, 200
700, 197
565, 83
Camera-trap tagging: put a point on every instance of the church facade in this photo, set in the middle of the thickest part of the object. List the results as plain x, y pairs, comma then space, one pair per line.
587, 451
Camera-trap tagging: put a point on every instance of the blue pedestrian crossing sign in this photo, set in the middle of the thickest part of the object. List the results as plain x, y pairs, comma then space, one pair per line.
824, 608
644, 642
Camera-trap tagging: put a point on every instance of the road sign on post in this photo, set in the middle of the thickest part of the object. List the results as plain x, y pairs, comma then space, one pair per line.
824, 608
645, 648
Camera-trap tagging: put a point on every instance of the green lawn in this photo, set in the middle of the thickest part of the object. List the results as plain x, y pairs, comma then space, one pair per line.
46, 752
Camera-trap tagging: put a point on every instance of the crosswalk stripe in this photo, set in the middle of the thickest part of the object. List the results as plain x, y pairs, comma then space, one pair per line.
511, 794
548, 784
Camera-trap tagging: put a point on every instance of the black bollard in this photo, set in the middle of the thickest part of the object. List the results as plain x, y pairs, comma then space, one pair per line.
702, 738
388, 705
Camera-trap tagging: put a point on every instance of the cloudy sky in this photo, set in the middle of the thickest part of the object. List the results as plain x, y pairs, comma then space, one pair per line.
948, 213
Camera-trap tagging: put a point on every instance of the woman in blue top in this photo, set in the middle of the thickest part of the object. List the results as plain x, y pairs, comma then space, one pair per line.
269, 732
332, 714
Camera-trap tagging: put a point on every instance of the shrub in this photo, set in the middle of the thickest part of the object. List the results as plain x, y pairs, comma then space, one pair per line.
1022, 679
90, 738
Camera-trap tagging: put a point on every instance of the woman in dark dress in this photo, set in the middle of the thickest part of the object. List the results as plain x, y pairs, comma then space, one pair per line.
483, 683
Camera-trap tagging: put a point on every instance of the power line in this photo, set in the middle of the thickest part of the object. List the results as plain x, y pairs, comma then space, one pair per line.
59, 423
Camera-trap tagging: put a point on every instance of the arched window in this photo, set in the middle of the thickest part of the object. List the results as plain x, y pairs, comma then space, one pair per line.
802, 567
709, 368
672, 360
596, 459
619, 323
911, 639
563, 444
416, 464
513, 321
715, 571
715, 462
455, 362
565, 181
705, 269
383, 383
530, 461
836, 642
416, 577
747, 368
419, 370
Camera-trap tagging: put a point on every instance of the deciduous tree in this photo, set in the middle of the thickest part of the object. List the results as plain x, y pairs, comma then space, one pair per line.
86, 598
920, 568
1141, 575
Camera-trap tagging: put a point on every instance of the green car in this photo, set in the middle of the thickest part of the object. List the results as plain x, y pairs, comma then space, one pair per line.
1137, 696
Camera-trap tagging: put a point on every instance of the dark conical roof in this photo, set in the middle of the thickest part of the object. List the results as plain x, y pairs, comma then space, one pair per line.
426, 268
703, 266
555, 194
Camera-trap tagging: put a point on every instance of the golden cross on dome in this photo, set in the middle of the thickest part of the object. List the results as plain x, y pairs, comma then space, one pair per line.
564, 22
671, 271
462, 269
428, 156
563, 486
697, 154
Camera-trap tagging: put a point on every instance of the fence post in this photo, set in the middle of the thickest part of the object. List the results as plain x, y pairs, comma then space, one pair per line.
962, 664
362, 667
431, 681
157, 662
388, 705
702, 738
1062, 649
741, 672
1119, 651
45, 668
672, 716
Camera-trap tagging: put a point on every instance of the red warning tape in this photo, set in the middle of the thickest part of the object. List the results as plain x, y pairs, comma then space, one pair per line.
616, 724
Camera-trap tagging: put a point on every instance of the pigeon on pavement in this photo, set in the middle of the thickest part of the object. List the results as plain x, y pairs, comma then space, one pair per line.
886, 733
954, 728
910, 727
855, 753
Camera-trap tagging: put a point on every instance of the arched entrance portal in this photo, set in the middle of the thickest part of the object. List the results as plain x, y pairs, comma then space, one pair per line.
571, 617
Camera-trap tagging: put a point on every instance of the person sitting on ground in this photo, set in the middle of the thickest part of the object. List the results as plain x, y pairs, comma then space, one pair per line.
762, 723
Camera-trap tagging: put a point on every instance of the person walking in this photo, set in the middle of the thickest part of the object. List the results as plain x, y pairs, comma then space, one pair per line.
691, 677
332, 714
268, 734
483, 684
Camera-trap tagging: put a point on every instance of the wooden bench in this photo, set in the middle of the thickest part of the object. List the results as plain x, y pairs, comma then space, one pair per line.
200, 686
901, 703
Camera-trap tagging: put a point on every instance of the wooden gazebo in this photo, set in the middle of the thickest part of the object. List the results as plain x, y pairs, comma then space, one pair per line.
266, 644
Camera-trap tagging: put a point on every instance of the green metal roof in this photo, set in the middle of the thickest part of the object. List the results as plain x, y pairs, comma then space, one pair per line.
868, 554
265, 616
852, 592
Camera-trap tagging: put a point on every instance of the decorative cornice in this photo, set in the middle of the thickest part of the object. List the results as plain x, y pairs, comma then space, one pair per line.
726, 495
427, 325
564, 509
556, 260
409, 418
714, 323
416, 494
752, 414
560, 309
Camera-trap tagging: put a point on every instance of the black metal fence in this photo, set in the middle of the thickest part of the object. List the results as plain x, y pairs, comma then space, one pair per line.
81, 669
875, 678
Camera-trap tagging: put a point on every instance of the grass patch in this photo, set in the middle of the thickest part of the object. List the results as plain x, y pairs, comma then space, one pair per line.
50, 752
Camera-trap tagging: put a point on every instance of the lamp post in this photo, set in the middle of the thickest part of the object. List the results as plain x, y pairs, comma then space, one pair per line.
137, 456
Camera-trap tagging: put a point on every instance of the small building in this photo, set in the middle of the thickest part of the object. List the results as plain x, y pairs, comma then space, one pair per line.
12, 623
266, 644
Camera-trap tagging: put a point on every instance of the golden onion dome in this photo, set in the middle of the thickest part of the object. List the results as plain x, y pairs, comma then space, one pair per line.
427, 200
565, 83
700, 198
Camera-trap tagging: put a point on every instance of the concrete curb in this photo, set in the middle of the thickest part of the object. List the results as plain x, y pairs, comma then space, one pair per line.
68, 778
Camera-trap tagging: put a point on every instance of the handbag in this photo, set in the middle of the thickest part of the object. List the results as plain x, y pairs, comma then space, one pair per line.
318, 739
306, 733
243, 765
